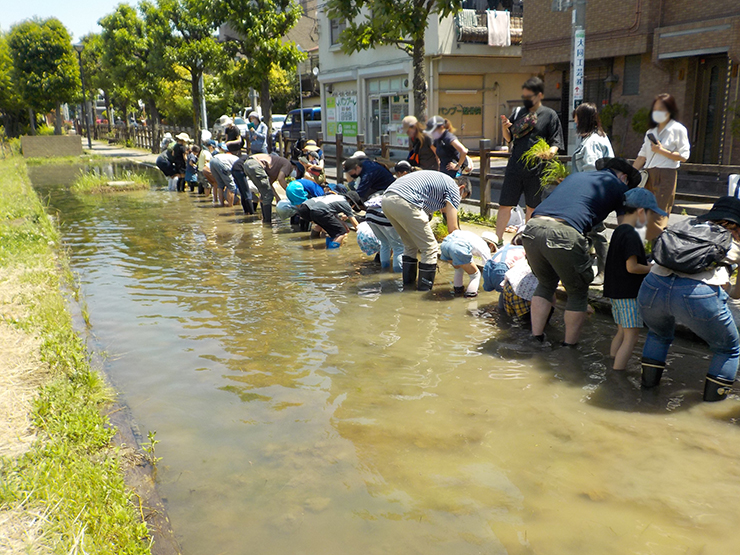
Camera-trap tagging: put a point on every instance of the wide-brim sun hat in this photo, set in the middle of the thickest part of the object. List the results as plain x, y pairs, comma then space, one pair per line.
621, 165
254, 115
183, 137
726, 208
311, 146
205, 136
490, 238
434, 122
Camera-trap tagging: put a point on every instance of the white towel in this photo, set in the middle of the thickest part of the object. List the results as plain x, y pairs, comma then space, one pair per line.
499, 32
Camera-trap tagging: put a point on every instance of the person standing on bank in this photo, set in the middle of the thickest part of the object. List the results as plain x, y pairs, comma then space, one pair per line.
666, 145
257, 134
408, 204
697, 300
450, 151
593, 145
421, 150
527, 125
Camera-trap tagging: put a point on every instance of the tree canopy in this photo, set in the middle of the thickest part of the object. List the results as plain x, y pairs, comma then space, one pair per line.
400, 23
45, 66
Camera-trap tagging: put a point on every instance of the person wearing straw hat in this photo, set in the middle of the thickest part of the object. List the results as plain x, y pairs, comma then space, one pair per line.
179, 158
313, 153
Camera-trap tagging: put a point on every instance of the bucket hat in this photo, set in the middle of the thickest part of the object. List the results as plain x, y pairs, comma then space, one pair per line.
621, 165
183, 137
726, 208
311, 146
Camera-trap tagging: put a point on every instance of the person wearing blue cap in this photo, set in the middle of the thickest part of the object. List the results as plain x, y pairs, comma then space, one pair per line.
459, 248
626, 267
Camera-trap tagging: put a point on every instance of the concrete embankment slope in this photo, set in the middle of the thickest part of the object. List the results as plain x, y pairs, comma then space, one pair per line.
62, 484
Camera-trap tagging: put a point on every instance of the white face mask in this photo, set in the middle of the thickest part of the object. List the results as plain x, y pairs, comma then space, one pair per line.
641, 224
659, 116
294, 173
437, 134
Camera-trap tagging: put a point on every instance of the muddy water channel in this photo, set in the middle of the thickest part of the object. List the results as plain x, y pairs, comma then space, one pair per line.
306, 406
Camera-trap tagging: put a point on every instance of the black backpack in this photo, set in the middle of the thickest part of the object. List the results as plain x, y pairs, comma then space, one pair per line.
692, 246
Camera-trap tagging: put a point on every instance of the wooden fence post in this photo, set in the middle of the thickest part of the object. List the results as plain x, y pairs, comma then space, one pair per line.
485, 167
319, 139
385, 140
360, 142
340, 158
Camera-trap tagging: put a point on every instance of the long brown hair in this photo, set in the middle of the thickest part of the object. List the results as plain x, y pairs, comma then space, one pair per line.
449, 126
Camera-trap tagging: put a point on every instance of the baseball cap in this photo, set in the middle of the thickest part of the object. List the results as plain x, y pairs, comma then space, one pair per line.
402, 166
434, 122
642, 198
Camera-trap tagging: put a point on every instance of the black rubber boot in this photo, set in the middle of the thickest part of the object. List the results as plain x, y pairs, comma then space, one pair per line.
267, 214
409, 270
460, 290
716, 389
652, 371
426, 276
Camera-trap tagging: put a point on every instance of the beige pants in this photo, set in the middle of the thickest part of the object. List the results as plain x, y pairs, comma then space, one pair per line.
662, 183
412, 224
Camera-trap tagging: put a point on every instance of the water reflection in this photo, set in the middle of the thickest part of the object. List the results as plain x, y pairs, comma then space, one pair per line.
306, 405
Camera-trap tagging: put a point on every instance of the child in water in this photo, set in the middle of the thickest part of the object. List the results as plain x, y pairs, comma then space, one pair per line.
459, 248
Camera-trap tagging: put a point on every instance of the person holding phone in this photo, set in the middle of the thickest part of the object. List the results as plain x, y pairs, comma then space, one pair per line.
666, 145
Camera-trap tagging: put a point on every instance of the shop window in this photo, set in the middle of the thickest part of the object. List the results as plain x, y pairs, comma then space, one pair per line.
631, 84
336, 28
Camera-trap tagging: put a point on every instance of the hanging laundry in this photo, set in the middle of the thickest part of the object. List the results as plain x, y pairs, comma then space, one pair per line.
499, 33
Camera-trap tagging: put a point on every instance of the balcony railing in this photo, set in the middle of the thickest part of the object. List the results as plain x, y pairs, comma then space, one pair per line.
472, 21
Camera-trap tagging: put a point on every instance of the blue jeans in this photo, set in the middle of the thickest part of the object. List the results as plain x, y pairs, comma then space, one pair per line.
390, 240
701, 308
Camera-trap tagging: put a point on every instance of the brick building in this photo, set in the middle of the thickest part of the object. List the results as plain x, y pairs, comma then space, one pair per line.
636, 49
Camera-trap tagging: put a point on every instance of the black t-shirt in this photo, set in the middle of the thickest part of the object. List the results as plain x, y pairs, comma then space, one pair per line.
422, 155
547, 127
178, 157
618, 282
446, 152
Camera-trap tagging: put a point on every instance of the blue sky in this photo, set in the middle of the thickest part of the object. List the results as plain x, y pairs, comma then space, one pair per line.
80, 16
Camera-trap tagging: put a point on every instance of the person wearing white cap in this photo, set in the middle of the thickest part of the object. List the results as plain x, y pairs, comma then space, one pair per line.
257, 134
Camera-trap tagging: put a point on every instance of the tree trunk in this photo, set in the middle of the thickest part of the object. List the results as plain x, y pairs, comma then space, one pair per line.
32, 120
266, 101
58, 119
108, 110
126, 131
420, 80
195, 91
154, 118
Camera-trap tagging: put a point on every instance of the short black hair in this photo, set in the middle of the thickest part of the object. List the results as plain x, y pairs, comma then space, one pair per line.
352, 163
534, 84
630, 209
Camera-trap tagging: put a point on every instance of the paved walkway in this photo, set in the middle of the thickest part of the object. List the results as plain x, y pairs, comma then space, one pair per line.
102, 148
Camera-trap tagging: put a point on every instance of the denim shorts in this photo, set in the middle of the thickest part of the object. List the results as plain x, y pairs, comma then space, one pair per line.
626, 313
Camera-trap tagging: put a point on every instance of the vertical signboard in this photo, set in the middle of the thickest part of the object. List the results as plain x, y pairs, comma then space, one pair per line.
579, 56
341, 116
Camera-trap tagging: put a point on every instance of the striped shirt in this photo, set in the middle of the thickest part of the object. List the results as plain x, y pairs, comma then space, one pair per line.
426, 189
374, 211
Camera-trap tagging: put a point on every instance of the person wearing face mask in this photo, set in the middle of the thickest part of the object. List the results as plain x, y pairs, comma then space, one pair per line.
666, 145
421, 150
626, 267
527, 125
370, 177
556, 245
450, 151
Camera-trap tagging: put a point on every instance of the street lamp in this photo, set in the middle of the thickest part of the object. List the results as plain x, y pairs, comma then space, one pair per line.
79, 47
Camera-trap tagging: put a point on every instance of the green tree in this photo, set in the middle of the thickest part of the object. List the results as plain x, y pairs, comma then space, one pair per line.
11, 103
400, 23
97, 76
184, 32
259, 27
45, 66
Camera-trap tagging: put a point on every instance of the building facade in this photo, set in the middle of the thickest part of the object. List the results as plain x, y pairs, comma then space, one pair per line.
639, 48
469, 82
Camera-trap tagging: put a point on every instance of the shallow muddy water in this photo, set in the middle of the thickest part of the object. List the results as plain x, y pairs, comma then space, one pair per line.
305, 405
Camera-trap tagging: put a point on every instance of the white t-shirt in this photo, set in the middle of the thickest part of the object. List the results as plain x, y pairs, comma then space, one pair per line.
674, 138
522, 280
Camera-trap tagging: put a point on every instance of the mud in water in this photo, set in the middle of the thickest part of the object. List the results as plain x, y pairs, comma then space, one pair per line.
305, 405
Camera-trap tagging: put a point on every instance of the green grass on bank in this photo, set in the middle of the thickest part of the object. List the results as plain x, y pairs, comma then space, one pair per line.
71, 473
85, 158
91, 182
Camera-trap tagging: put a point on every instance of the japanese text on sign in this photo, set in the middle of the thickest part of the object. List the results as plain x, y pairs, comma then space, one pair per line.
579, 55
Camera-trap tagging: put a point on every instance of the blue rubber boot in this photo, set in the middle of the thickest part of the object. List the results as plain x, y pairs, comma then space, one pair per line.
331, 244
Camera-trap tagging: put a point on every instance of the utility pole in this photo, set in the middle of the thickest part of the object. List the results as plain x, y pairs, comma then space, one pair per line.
204, 113
577, 59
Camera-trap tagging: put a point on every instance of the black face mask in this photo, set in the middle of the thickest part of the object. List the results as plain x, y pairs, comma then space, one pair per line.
528, 104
